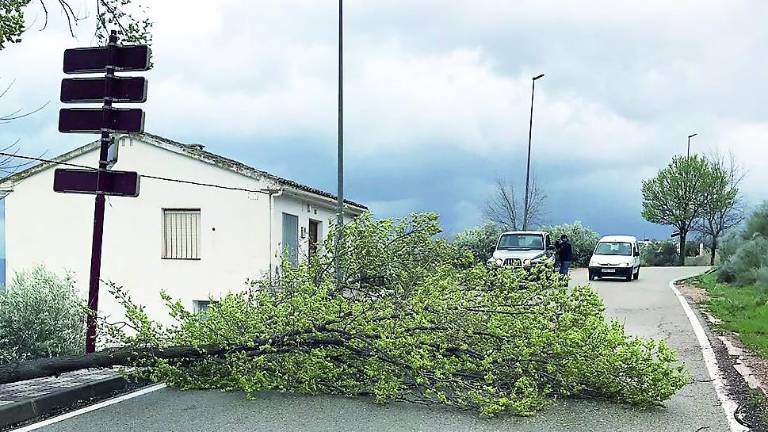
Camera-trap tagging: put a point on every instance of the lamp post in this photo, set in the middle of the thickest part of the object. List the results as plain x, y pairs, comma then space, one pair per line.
689, 143
340, 165
528, 169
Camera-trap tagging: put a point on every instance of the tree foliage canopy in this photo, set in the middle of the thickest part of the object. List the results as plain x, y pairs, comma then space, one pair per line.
412, 322
127, 17
689, 188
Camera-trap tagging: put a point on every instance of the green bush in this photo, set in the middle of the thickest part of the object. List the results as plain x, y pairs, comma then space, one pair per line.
758, 222
583, 240
41, 315
750, 260
658, 254
480, 241
410, 322
744, 255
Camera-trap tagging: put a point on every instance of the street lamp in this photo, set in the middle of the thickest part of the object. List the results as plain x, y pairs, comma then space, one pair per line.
528, 169
689, 143
340, 166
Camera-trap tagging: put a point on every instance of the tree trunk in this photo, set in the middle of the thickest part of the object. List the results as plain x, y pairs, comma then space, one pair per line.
713, 250
681, 255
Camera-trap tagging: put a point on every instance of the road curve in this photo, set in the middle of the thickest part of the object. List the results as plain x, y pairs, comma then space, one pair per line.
647, 307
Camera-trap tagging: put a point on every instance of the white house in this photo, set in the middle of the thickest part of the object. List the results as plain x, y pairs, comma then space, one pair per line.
184, 234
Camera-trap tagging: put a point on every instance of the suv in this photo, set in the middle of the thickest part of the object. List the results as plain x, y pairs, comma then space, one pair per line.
615, 256
522, 249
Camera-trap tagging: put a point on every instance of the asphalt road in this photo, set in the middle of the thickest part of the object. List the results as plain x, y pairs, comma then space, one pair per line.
647, 307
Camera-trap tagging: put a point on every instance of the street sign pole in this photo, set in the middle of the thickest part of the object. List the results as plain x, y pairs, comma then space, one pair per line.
98, 211
105, 121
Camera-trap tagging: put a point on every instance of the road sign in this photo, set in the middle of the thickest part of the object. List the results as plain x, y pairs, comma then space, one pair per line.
95, 59
116, 183
93, 120
121, 89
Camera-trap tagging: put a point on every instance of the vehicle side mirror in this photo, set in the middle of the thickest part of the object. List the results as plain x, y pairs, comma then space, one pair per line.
637, 253
550, 248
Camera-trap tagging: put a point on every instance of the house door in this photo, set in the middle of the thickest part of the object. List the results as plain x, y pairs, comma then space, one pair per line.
314, 236
291, 238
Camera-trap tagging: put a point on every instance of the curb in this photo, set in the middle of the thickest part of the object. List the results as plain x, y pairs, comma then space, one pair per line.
18, 412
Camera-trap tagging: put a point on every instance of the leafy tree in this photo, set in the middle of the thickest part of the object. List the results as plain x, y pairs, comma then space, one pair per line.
132, 27
678, 195
480, 241
583, 240
409, 322
507, 209
41, 315
723, 208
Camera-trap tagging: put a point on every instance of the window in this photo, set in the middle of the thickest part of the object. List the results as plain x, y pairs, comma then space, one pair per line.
613, 248
291, 238
201, 306
181, 234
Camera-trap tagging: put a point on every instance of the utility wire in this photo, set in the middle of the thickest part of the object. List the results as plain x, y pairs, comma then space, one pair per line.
168, 179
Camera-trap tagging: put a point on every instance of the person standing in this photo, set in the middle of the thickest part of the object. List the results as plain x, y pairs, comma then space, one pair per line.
564, 253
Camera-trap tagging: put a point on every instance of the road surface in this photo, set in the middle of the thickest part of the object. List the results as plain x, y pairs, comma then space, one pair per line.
647, 307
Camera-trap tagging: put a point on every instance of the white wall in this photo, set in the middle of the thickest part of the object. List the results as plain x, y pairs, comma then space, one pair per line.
44, 227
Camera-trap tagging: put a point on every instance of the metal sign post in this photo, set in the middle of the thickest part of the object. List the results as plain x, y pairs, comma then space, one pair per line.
105, 121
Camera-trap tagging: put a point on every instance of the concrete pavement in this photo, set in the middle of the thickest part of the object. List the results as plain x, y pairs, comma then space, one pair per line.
647, 307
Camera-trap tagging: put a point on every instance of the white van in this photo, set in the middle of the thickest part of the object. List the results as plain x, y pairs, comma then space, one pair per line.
615, 256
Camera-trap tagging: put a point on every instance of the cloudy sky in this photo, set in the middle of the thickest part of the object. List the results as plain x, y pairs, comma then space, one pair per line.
437, 95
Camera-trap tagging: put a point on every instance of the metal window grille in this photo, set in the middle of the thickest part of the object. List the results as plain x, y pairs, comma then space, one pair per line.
181, 234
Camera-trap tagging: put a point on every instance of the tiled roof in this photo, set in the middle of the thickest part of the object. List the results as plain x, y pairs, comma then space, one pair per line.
192, 150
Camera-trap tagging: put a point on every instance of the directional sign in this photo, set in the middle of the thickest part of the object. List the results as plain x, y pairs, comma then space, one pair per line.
119, 183
92, 120
96, 59
122, 89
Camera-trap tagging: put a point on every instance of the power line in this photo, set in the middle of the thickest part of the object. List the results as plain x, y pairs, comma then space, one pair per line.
168, 179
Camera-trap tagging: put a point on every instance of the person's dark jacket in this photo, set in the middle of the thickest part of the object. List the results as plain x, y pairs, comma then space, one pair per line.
564, 251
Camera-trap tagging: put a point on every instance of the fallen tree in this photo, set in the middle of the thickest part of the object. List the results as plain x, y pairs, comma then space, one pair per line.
412, 321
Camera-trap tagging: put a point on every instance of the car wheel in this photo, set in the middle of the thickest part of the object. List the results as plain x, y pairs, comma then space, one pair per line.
637, 275
591, 276
630, 276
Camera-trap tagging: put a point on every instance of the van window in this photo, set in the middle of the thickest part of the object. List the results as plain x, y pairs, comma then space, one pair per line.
614, 248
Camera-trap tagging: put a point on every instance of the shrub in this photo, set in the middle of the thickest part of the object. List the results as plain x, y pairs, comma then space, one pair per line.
408, 322
480, 241
583, 240
41, 315
758, 222
658, 254
743, 267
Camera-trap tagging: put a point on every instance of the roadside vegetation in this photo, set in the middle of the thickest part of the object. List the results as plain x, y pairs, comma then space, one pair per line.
740, 309
412, 320
738, 289
41, 315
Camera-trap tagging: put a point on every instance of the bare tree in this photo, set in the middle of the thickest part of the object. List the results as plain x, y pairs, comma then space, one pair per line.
724, 205
506, 208
8, 163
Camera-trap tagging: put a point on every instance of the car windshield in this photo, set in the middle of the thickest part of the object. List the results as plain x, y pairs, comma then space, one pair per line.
521, 241
614, 248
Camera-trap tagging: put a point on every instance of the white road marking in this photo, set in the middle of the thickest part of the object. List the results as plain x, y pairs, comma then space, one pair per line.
728, 404
90, 408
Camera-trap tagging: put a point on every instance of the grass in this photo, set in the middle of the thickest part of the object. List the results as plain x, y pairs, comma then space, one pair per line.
743, 310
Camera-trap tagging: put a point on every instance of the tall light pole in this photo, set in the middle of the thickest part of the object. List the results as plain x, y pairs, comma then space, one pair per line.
689, 143
528, 169
340, 165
